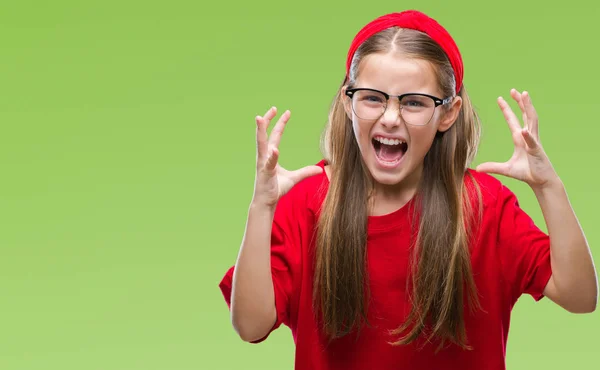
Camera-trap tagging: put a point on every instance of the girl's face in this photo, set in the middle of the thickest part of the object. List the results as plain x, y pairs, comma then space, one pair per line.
392, 149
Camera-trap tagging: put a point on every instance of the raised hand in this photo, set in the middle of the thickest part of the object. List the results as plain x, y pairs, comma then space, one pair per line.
273, 181
529, 162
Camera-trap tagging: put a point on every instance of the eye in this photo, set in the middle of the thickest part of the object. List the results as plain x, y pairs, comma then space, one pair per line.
416, 102
373, 98
413, 103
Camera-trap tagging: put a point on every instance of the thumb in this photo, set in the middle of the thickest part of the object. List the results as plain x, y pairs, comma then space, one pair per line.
302, 173
493, 167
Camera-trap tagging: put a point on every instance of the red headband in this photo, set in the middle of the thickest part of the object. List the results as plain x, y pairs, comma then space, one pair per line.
415, 20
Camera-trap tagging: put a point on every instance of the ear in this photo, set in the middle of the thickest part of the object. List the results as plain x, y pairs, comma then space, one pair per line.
347, 102
450, 115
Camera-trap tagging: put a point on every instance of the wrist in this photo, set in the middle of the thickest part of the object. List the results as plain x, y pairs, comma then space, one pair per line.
260, 205
550, 187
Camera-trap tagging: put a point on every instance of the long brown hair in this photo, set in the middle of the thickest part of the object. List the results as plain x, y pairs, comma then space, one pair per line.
441, 273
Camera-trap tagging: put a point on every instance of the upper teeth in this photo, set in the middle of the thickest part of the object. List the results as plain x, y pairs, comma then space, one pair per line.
389, 141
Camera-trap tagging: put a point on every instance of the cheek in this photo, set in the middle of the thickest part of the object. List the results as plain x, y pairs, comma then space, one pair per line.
421, 138
437, 120
361, 131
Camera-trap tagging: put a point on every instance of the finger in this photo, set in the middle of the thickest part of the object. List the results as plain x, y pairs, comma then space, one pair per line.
493, 167
531, 114
270, 114
261, 131
277, 131
531, 141
272, 159
518, 97
509, 115
302, 173
261, 137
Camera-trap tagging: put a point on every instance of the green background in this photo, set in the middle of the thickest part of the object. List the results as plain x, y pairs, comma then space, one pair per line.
127, 162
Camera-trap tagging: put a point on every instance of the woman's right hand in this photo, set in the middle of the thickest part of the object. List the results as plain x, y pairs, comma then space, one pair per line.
273, 181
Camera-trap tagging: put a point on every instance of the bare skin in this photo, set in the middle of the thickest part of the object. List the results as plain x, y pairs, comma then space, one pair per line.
253, 302
573, 285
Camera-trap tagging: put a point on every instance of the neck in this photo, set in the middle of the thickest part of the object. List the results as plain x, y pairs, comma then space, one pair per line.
389, 198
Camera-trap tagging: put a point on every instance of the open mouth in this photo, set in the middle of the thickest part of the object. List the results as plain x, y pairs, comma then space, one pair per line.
389, 151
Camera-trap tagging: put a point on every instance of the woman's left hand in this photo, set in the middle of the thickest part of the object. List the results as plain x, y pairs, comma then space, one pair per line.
529, 162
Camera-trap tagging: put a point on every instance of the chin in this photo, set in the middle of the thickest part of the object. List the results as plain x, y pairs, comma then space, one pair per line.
389, 179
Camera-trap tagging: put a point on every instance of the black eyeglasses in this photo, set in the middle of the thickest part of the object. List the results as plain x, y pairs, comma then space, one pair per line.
415, 108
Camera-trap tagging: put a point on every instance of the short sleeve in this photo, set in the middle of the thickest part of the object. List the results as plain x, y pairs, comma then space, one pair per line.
285, 260
524, 249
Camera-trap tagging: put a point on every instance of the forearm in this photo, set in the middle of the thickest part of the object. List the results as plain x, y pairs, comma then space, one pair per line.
253, 301
573, 273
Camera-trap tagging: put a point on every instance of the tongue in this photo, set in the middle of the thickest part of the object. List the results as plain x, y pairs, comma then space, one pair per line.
390, 153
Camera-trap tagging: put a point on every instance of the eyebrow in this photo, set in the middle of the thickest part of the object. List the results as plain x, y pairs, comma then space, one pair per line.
384, 91
416, 91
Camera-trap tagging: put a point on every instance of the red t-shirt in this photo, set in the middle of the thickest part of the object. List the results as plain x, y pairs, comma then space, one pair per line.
511, 257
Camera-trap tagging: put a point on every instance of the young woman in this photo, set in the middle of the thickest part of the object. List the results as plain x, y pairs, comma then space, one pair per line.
392, 253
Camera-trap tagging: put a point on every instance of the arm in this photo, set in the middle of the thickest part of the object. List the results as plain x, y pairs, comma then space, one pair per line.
253, 311
574, 284
253, 308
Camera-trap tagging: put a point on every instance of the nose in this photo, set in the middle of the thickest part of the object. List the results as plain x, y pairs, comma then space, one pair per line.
391, 117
